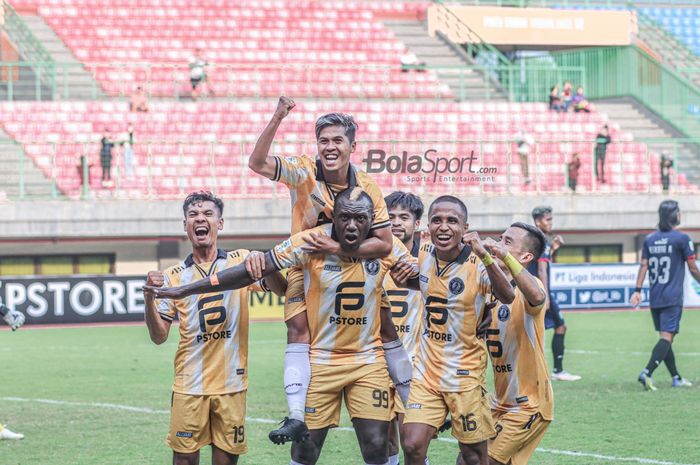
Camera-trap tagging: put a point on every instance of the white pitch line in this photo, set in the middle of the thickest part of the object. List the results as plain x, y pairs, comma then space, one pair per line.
129, 408
606, 352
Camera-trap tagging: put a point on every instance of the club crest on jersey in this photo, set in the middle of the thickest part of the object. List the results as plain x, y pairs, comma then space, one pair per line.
503, 312
372, 267
456, 286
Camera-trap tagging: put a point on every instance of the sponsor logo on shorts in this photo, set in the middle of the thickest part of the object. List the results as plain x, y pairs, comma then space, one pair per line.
183, 434
503, 312
292, 300
521, 400
240, 371
462, 372
317, 200
414, 406
456, 286
310, 410
331, 268
372, 267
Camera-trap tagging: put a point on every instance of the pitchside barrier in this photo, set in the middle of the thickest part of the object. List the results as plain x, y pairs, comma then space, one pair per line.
105, 299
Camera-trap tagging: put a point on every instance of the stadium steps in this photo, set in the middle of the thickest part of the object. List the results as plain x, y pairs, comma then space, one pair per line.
634, 118
437, 52
671, 50
35, 183
79, 81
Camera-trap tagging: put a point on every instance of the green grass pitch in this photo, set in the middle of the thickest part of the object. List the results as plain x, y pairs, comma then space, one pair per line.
606, 413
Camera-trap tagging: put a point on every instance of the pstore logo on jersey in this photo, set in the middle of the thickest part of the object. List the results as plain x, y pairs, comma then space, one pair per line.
503, 312
372, 267
456, 286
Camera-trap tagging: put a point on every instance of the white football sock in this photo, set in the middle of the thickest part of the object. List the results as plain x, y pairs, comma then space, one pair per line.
400, 368
297, 376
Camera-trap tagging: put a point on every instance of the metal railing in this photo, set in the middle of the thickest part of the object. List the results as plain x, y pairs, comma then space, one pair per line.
170, 169
629, 71
550, 3
521, 83
29, 47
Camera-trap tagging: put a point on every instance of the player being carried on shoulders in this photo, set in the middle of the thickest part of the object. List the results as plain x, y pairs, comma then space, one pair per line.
314, 184
348, 314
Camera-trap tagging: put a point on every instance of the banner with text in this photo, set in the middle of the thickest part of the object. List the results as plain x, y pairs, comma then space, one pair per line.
98, 299
579, 287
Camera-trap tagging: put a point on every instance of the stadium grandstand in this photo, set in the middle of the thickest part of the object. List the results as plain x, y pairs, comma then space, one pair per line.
481, 94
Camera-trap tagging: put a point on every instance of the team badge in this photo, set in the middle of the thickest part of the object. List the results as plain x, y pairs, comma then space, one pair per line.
372, 267
456, 286
503, 312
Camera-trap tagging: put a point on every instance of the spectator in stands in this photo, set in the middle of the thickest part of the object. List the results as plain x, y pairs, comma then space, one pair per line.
554, 100
601, 147
128, 152
139, 101
525, 143
579, 102
83, 168
198, 73
409, 61
666, 165
566, 96
107, 145
573, 167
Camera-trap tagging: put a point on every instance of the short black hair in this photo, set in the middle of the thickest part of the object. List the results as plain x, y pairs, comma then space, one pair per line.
536, 241
539, 212
410, 202
202, 196
353, 194
337, 119
669, 215
450, 199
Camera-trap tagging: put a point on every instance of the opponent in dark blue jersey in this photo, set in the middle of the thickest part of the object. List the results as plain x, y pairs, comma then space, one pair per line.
552, 318
664, 254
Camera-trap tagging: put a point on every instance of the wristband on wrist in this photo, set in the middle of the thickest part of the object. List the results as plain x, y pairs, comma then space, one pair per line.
513, 265
214, 280
638, 289
487, 260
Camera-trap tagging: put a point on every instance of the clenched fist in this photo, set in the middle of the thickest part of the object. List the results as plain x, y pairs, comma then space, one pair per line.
154, 279
284, 106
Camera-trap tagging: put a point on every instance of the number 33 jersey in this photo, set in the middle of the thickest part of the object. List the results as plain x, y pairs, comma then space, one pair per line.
450, 357
343, 298
667, 252
212, 355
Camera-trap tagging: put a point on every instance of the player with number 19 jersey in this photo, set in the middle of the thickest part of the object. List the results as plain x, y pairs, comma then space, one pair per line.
212, 355
667, 253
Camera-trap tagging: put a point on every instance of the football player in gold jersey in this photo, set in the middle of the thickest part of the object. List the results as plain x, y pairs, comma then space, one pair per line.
449, 370
211, 375
314, 183
348, 313
405, 211
522, 406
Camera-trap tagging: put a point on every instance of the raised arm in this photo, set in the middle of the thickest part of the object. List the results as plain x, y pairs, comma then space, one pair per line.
231, 278
377, 245
259, 160
502, 289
